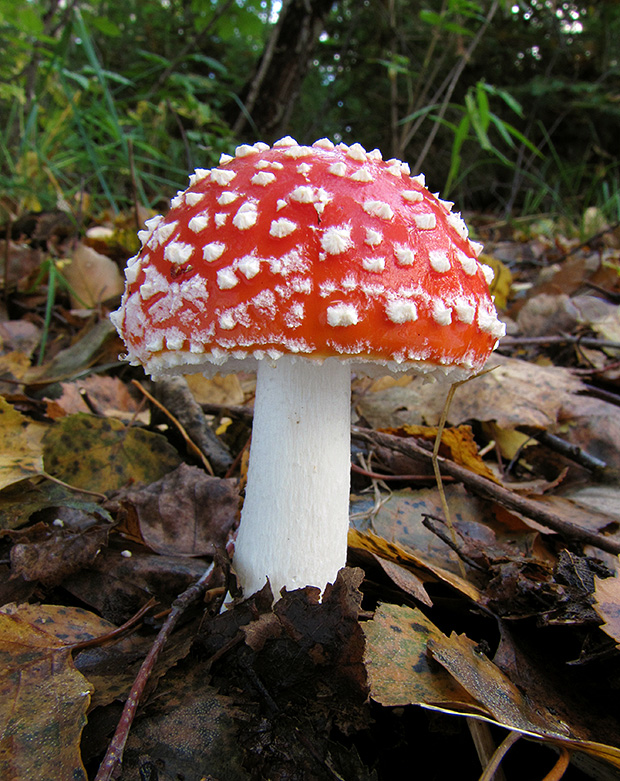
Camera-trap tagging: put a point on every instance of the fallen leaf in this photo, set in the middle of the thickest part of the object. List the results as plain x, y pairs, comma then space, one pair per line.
456, 442
216, 390
400, 671
515, 393
502, 280
607, 605
117, 585
43, 699
107, 395
93, 278
423, 568
19, 336
102, 454
21, 452
399, 640
51, 554
19, 501
185, 513
80, 356
189, 731
488, 685
546, 314
405, 579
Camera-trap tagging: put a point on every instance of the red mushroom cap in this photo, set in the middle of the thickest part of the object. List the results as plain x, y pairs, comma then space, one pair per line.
317, 251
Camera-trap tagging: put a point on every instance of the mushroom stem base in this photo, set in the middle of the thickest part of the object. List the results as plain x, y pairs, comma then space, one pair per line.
295, 516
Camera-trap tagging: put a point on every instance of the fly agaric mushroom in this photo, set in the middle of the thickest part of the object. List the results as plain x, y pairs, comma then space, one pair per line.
305, 262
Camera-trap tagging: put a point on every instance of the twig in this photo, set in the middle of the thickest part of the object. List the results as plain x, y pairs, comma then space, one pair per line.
532, 341
574, 452
428, 523
560, 767
402, 478
73, 488
193, 447
491, 490
499, 754
118, 633
114, 754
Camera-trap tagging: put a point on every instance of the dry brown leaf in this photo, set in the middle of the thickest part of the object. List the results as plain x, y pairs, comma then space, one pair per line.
607, 605
93, 278
51, 554
515, 393
546, 314
186, 513
217, 390
109, 396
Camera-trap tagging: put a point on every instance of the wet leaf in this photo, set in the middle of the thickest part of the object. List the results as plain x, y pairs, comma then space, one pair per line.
102, 454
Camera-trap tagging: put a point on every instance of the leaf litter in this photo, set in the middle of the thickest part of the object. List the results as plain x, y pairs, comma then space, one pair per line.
116, 498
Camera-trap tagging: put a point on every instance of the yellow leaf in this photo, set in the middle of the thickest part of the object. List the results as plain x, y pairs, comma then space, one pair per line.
102, 454
399, 669
459, 441
43, 700
21, 452
390, 551
502, 281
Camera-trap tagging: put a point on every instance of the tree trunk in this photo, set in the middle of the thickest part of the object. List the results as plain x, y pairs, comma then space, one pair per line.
269, 98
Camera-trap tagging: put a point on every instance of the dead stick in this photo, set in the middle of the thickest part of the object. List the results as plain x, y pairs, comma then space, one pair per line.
491, 490
114, 754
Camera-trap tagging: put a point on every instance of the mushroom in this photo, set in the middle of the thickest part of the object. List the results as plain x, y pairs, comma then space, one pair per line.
305, 262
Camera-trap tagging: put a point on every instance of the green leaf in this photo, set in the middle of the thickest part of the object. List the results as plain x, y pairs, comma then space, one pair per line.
440, 21
105, 26
482, 100
474, 116
460, 136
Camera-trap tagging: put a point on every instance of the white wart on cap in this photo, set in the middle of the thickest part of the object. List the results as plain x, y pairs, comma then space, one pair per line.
316, 251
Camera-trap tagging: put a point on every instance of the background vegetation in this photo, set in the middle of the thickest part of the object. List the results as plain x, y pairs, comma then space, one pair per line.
510, 107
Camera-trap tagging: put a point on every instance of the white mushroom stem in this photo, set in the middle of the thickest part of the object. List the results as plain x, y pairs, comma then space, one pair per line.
295, 515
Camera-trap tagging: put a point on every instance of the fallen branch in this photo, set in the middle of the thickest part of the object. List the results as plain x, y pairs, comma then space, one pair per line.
490, 490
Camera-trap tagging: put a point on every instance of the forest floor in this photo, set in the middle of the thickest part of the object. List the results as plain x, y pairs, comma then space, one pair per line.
484, 647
